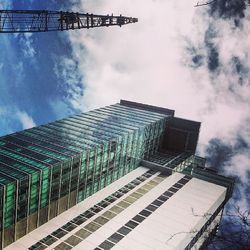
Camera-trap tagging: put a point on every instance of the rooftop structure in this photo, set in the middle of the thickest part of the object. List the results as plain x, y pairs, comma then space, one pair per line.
101, 180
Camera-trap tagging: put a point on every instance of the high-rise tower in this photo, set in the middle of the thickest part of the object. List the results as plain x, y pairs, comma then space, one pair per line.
52, 176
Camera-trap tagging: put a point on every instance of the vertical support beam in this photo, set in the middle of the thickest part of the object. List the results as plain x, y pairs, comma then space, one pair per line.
28, 203
61, 20
39, 197
16, 206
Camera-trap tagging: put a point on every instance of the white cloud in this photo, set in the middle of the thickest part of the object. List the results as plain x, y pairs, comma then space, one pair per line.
139, 61
5, 4
149, 62
146, 62
69, 82
26, 41
25, 120
61, 108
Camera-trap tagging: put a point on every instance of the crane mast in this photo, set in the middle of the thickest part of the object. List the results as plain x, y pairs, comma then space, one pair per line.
20, 21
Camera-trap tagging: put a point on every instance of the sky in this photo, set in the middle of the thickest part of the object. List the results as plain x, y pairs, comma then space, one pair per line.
193, 60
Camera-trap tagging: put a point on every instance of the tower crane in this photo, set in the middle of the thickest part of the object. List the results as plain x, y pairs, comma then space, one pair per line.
20, 21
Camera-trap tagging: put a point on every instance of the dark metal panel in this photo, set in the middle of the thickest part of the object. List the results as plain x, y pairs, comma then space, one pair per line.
180, 135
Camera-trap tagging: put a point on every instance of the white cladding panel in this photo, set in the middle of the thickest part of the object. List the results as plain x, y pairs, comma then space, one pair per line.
174, 224
112, 226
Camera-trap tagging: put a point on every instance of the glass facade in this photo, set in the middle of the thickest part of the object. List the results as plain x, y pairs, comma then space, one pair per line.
48, 169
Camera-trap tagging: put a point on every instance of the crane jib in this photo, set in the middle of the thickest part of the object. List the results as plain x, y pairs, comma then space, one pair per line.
16, 21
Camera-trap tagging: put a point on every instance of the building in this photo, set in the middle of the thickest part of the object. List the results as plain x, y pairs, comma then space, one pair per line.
119, 176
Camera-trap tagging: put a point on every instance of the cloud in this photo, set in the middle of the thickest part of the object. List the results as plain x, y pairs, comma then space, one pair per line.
70, 83
26, 43
25, 120
229, 9
182, 63
139, 61
5, 4
19, 121
178, 57
61, 108
231, 156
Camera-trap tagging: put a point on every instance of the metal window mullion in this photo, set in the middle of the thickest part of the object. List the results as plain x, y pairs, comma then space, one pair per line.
67, 133
107, 171
137, 150
135, 147
33, 143
86, 175
86, 125
142, 111
80, 133
86, 130
17, 189
59, 189
46, 141
138, 118
124, 119
139, 144
94, 170
45, 163
126, 155
121, 158
70, 181
117, 164
41, 132
101, 120
31, 151
142, 114
16, 205
36, 168
28, 203
93, 122
173, 159
64, 136
111, 125
50, 188
105, 132
157, 135
131, 150
39, 198
98, 136
18, 170
109, 120
101, 168
112, 177
78, 180
3, 213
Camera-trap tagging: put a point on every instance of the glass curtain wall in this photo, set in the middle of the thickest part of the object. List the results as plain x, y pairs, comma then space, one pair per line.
48, 169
